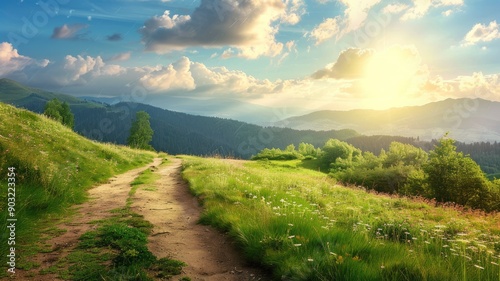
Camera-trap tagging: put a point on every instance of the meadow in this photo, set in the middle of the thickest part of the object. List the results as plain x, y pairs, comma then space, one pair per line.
301, 225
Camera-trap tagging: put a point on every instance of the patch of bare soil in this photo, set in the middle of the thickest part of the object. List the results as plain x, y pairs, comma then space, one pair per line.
103, 199
174, 212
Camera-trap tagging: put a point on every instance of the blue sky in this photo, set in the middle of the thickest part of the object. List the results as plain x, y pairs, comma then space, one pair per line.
317, 54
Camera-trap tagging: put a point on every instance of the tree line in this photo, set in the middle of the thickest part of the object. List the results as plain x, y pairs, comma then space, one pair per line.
443, 173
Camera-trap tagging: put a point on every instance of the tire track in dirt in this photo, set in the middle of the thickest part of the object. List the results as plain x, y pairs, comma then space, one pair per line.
102, 199
174, 212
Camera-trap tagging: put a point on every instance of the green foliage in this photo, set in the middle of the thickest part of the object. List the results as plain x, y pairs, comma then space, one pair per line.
305, 150
339, 155
60, 112
405, 155
308, 149
141, 133
454, 177
278, 154
301, 226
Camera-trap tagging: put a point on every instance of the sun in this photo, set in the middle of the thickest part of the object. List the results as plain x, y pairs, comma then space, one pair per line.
390, 76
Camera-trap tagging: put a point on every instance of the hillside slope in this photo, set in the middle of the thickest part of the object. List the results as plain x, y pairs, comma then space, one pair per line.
53, 169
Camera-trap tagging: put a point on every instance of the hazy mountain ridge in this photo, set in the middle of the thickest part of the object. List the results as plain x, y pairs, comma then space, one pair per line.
175, 132
467, 120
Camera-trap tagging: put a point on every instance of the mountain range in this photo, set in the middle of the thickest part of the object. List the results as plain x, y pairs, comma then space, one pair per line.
466, 120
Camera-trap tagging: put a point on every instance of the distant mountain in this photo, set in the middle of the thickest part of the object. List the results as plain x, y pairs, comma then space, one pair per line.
467, 120
214, 107
175, 133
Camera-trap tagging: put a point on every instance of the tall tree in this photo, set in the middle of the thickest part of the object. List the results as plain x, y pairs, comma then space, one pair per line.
454, 177
60, 112
141, 133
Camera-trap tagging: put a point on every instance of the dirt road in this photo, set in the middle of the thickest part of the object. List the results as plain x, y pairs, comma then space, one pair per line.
174, 212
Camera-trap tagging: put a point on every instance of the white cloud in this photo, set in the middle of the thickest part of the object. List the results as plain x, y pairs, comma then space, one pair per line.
482, 33
476, 85
248, 26
172, 77
356, 78
356, 14
325, 30
421, 7
447, 13
10, 60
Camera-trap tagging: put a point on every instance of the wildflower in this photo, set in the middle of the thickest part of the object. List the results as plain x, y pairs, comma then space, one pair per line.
310, 260
382, 266
297, 245
290, 224
291, 236
480, 267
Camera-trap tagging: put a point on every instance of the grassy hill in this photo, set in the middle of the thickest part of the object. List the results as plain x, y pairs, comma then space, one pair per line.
301, 225
54, 167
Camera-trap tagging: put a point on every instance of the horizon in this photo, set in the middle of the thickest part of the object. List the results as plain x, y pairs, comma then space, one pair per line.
301, 55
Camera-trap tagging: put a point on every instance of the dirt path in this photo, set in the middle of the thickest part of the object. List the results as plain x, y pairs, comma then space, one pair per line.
174, 212
102, 200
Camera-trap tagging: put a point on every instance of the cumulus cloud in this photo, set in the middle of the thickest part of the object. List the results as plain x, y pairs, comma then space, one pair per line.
70, 31
172, 77
249, 26
349, 65
10, 60
14, 65
476, 85
325, 30
482, 33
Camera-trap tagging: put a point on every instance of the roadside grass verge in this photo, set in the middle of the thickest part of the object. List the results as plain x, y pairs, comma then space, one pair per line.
54, 168
300, 225
117, 249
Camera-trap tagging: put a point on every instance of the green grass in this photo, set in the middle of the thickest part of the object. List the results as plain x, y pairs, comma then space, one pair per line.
300, 225
54, 168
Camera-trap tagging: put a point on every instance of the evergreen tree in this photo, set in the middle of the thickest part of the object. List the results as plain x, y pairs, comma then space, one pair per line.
68, 119
141, 133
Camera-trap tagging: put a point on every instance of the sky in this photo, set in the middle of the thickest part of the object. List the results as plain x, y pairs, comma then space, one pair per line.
313, 55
